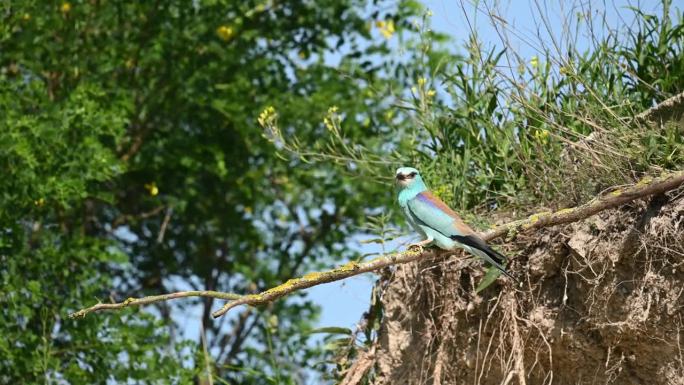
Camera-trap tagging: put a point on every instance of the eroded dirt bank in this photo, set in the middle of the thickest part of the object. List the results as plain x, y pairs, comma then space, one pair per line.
600, 302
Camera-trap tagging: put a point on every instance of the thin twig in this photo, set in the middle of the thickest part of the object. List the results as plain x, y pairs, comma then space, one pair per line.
208, 375
126, 217
162, 229
155, 298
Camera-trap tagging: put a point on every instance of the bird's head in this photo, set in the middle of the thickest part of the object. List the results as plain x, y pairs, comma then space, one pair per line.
409, 177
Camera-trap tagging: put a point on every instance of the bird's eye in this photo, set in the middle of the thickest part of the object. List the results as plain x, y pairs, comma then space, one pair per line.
413, 174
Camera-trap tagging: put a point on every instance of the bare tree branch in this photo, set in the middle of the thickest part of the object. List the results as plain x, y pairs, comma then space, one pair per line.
670, 109
647, 186
127, 217
153, 299
619, 196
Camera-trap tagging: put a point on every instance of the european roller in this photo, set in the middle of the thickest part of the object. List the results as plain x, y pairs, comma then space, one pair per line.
437, 223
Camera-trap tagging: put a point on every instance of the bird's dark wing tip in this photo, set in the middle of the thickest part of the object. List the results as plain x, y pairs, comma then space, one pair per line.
474, 241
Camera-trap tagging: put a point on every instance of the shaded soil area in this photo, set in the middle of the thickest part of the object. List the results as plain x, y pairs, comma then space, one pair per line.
600, 302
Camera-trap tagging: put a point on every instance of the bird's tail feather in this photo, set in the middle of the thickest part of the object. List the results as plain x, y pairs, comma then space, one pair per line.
482, 250
495, 259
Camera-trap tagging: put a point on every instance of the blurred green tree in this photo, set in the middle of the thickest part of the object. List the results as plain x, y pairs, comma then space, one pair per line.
133, 165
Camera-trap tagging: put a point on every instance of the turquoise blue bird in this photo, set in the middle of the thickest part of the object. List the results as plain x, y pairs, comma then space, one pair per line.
437, 223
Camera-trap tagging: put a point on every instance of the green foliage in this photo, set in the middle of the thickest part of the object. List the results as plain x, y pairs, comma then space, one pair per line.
496, 129
513, 139
490, 277
55, 155
517, 139
134, 165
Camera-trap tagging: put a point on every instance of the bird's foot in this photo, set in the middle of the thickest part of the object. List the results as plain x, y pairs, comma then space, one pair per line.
418, 247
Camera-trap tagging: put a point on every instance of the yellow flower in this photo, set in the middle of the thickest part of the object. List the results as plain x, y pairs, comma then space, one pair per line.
422, 81
152, 188
225, 32
273, 321
267, 116
534, 62
430, 93
541, 135
386, 28
328, 124
65, 7
332, 119
40, 202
